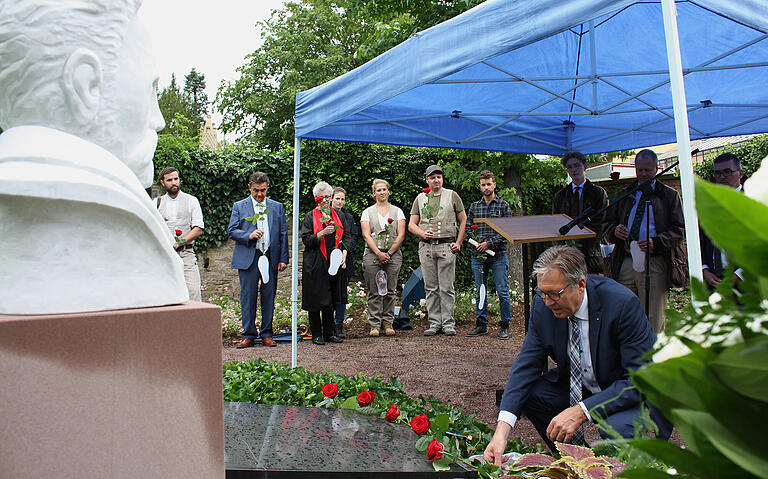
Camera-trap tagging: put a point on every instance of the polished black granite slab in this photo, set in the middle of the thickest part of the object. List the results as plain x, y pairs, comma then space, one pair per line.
271, 441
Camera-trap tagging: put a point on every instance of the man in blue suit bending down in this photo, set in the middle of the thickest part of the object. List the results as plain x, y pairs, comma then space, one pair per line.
259, 228
595, 330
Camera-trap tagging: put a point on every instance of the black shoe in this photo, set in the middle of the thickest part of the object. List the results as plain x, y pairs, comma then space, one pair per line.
340, 331
478, 331
335, 339
504, 333
318, 340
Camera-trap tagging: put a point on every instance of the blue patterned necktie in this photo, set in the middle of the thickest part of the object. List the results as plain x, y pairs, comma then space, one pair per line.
574, 354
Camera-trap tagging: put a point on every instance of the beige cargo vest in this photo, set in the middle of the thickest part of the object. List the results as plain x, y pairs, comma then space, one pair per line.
444, 222
183, 220
381, 241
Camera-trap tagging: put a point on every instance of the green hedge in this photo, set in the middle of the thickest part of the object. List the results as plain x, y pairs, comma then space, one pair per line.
219, 178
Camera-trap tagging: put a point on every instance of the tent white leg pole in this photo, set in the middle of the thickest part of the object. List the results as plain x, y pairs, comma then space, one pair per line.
683, 139
295, 253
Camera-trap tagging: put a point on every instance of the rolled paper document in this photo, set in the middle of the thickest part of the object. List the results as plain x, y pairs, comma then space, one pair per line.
475, 243
264, 268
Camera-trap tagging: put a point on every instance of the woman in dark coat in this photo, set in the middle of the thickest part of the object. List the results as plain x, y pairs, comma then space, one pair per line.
321, 232
350, 228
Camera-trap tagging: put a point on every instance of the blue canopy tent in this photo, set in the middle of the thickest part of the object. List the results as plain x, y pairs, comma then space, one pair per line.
552, 76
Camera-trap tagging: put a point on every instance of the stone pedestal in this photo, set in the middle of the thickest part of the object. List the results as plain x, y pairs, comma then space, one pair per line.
120, 394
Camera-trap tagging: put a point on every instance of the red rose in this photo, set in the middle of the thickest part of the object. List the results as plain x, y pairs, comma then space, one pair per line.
261, 197
427, 190
434, 450
319, 200
474, 227
365, 398
330, 390
178, 232
420, 424
390, 220
392, 414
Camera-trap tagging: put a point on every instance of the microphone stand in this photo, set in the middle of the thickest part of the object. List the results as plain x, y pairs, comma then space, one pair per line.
647, 258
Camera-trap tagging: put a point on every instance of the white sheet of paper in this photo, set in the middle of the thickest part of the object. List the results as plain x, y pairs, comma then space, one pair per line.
381, 282
264, 268
638, 257
481, 301
335, 259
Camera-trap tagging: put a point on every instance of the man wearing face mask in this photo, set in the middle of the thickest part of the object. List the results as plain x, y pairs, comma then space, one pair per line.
727, 172
627, 221
577, 196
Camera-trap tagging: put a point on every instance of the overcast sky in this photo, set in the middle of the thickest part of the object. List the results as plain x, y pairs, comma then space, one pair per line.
212, 37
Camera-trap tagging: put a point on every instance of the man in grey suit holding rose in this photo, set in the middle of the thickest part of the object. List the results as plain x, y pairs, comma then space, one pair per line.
260, 231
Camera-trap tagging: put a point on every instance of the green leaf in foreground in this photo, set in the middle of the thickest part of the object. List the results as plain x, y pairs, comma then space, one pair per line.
737, 223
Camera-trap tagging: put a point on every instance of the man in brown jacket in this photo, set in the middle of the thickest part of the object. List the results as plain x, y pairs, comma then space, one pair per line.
627, 222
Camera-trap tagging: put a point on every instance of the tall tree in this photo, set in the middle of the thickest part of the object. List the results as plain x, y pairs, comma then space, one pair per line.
309, 42
194, 89
179, 116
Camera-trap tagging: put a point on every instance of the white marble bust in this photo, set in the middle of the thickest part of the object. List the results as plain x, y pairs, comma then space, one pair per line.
78, 106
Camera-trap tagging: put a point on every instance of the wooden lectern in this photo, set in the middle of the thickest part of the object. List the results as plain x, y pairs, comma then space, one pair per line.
534, 229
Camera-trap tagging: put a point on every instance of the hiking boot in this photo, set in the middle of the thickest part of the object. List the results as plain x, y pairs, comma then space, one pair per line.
374, 333
449, 331
504, 333
335, 339
478, 331
388, 330
431, 331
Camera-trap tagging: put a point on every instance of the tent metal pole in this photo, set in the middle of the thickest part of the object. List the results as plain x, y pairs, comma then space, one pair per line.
683, 139
593, 61
295, 253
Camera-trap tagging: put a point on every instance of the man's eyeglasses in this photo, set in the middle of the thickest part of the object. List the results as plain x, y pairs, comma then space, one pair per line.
723, 173
553, 295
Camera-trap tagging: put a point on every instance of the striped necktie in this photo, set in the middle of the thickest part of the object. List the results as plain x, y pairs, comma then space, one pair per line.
574, 354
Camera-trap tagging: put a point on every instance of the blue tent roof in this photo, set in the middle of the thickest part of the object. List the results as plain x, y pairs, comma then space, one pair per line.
550, 76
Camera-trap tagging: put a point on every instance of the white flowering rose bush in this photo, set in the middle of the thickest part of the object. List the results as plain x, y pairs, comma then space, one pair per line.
709, 370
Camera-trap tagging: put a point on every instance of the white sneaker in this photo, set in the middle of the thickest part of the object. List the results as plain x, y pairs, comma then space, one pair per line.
481, 300
264, 268
381, 282
335, 260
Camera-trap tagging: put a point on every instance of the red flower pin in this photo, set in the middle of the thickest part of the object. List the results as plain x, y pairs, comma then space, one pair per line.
390, 220
392, 414
420, 424
427, 190
319, 200
365, 398
434, 450
474, 227
330, 390
178, 232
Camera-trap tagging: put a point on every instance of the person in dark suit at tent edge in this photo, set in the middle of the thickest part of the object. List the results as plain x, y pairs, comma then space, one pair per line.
727, 171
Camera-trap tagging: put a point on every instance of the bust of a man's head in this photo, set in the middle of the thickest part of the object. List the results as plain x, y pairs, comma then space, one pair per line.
83, 67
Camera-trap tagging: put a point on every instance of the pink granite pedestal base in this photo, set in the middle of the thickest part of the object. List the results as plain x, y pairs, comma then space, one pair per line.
122, 394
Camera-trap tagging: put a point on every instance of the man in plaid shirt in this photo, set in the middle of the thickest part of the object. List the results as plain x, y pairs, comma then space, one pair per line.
490, 206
